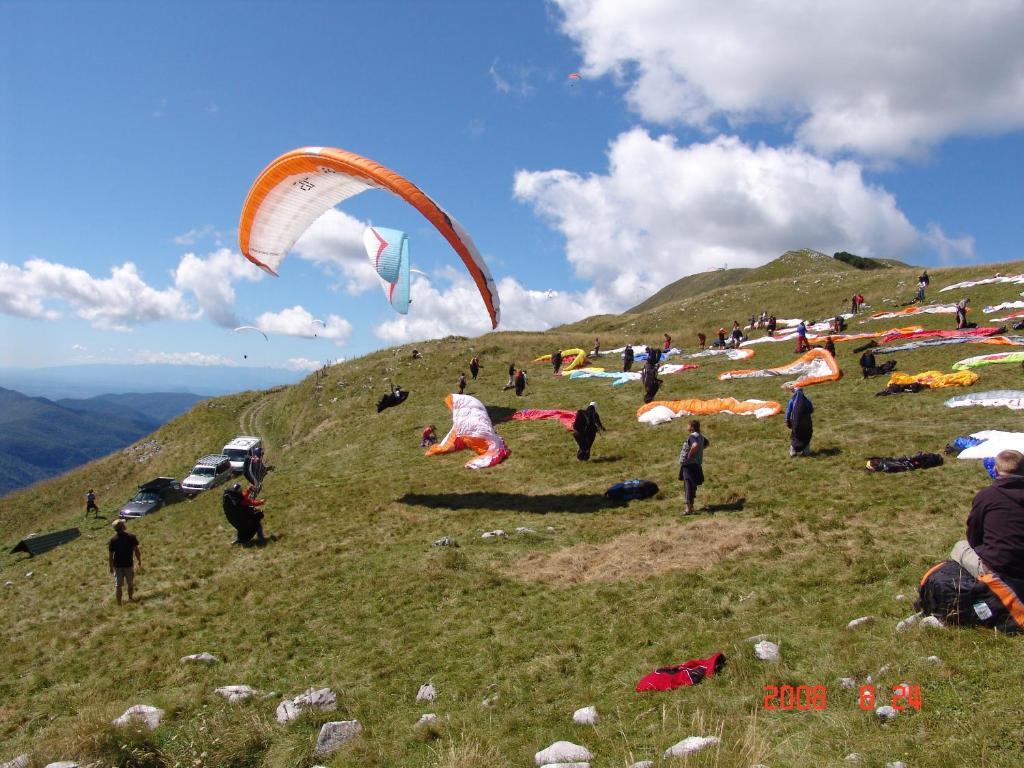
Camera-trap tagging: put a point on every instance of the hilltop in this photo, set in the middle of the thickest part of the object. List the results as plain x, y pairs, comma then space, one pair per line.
799, 263
353, 596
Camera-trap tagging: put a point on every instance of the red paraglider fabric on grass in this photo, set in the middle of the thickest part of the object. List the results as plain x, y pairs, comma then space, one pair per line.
688, 673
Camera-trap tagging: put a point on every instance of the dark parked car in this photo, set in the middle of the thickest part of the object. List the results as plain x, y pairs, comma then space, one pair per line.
152, 496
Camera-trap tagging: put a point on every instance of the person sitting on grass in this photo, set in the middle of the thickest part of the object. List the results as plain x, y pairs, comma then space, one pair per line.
995, 525
428, 436
869, 366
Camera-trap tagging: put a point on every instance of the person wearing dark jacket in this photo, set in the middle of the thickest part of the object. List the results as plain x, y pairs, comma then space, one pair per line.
995, 526
800, 423
584, 430
556, 361
627, 358
649, 378
520, 382
691, 464
474, 367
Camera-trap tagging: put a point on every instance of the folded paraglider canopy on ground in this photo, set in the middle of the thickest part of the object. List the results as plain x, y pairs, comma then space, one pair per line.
813, 367
661, 411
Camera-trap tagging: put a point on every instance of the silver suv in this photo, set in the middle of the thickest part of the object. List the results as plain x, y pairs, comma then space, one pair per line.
209, 471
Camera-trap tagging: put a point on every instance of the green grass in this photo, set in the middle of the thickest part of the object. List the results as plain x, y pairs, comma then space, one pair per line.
354, 597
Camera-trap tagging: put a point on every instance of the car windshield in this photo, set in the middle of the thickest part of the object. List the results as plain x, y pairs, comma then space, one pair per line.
206, 471
146, 497
236, 454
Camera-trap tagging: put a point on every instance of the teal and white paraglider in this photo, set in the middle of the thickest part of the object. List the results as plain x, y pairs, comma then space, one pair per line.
388, 251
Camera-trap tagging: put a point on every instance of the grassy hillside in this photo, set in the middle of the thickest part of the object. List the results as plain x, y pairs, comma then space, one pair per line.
353, 596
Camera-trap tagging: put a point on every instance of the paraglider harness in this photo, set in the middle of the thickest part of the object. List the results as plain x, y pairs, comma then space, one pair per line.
868, 366
397, 396
243, 518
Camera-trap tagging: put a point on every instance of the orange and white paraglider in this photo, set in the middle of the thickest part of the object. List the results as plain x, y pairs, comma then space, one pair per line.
297, 187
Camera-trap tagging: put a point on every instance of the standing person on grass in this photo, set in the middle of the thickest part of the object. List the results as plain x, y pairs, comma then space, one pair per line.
800, 423
462, 383
120, 551
90, 504
691, 460
474, 367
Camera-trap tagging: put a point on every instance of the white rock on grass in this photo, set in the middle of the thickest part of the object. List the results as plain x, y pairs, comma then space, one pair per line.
690, 745
585, 716
524, 529
142, 714
563, 752
766, 650
932, 659
427, 692
886, 713
21, 761
643, 764
314, 698
235, 693
901, 597
566, 765
908, 622
492, 534
426, 719
854, 757
7, 584
858, 622
334, 735
64, 764
445, 541
200, 658
897, 764
932, 622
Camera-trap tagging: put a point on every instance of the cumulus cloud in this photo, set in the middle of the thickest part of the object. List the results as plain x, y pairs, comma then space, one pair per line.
298, 321
878, 78
458, 310
335, 240
194, 235
116, 303
664, 211
301, 364
211, 280
182, 358
950, 249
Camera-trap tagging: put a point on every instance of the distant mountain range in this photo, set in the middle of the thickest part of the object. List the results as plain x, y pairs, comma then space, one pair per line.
43, 438
90, 380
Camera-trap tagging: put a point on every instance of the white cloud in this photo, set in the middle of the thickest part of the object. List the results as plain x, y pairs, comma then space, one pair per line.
78, 348
182, 358
301, 364
664, 211
194, 235
211, 280
879, 78
336, 240
518, 83
458, 309
116, 303
950, 249
298, 321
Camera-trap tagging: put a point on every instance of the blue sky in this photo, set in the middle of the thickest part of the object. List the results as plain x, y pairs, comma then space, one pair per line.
700, 134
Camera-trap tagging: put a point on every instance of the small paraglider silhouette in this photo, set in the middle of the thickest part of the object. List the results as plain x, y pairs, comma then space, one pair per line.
574, 77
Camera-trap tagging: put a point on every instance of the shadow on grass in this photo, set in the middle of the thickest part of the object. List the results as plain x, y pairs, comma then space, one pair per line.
499, 413
518, 502
729, 506
605, 459
827, 452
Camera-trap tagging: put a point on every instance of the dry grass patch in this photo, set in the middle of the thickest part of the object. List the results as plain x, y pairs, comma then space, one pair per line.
691, 547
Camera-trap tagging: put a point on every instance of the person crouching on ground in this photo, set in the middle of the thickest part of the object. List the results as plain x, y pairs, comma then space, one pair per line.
995, 526
428, 437
799, 423
120, 551
691, 461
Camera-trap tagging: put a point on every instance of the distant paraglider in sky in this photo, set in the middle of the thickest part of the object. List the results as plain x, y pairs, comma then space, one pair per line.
241, 328
574, 77
297, 187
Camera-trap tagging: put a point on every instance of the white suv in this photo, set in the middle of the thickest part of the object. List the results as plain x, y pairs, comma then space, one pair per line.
241, 448
208, 472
